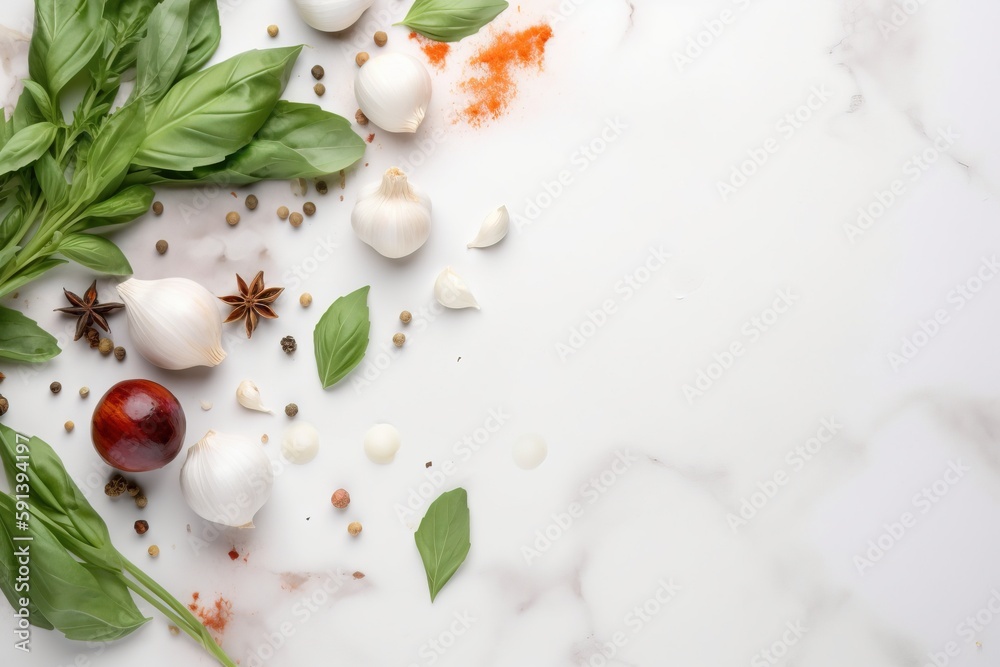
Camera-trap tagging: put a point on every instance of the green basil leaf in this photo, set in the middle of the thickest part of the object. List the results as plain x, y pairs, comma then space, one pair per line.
21, 339
51, 179
23, 277
341, 336
128, 14
26, 112
162, 51
216, 111
42, 100
108, 157
203, 35
95, 252
66, 592
65, 38
451, 20
127, 205
10, 226
26, 146
443, 538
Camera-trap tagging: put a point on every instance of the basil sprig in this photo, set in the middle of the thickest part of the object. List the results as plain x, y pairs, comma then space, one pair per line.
340, 338
451, 20
443, 538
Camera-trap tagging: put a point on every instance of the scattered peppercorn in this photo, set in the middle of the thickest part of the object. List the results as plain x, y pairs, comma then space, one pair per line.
55, 387
305, 300
321, 187
354, 528
361, 58
317, 72
133, 489
232, 218
272, 30
153, 551
84, 392
319, 89
174, 630
4, 405
161, 247
141, 501
157, 208
105, 346
295, 219
398, 340
291, 409
251, 202
141, 526
361, 117
115, 487
358, 575
2, 377
264, 438
69, 426
288, 344
309, 208
93, 337
381, 38
405, 317
340, 499
282, 212
119, 353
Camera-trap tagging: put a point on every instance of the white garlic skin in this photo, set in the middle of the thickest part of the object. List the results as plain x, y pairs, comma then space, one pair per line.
174, 323
381, 443
248, 395
529, 451
393, 216
332, 15
394, 90
226, 479
493, 230
300, 443
452, 292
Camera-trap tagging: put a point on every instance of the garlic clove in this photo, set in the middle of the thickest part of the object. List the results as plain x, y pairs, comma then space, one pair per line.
394, 90
381, 443
452, 292
494, 228
248, 395
300, 443
392, 216
174, 322
226, 479
529, 451
332, 15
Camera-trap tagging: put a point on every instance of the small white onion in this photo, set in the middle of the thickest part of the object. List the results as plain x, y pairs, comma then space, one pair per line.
393, 91
332, 15
529, 451
300, 444
381, 443
226, 479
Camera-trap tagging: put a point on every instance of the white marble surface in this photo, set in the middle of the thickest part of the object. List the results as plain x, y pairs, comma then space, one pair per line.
813, 302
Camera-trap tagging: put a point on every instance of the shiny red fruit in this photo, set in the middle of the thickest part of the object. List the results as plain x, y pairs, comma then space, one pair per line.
137, 426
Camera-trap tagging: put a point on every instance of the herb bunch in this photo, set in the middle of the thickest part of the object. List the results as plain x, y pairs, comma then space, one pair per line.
64, 176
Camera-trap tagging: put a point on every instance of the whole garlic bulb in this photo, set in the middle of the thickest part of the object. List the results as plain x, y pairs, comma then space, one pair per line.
226, 479
393, 91
332, 15
393, 216
174, 322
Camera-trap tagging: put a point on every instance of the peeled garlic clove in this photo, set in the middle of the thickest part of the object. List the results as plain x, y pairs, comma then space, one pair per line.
393, 91
452, 292
332, 15
381, 443
494, 228
300, 444
529, 451
226, 479
248, 395
393, 216
174, 322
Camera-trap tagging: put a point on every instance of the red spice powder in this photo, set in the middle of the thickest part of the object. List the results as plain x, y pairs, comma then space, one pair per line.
436, 52
234, 554
493, 92
215, 616
370, 138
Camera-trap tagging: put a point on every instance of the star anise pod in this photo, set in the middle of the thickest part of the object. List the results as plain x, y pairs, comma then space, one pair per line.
252, 302
88, 310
